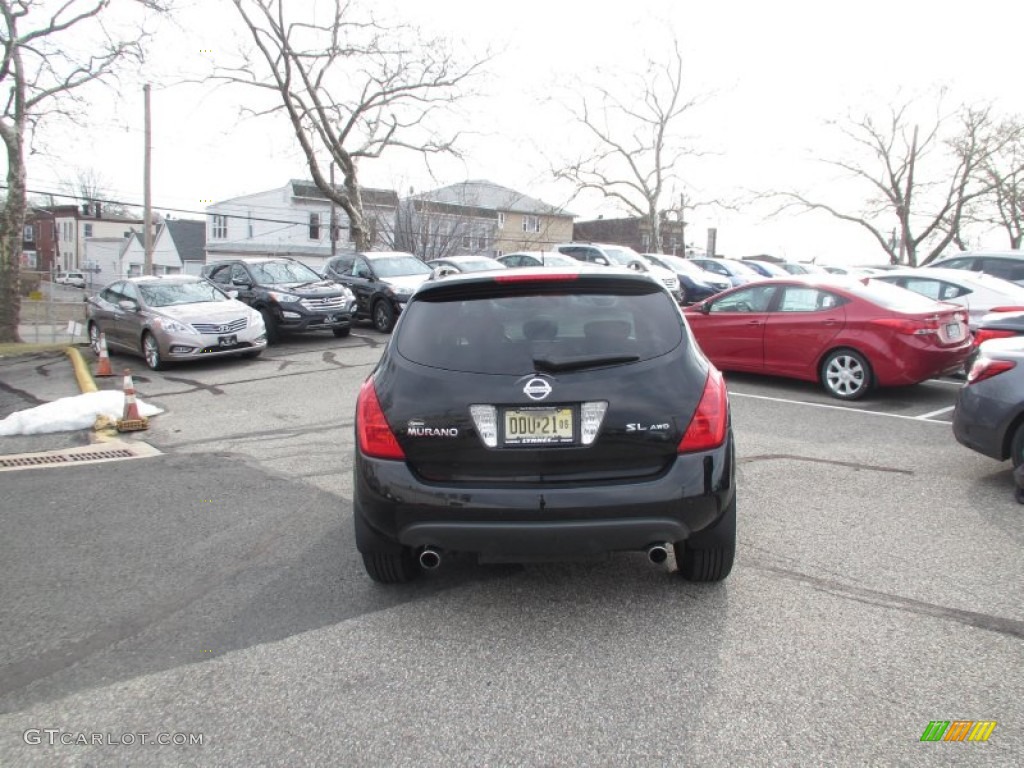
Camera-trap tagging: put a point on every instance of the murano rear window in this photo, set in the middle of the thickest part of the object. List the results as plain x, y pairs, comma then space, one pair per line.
511, 334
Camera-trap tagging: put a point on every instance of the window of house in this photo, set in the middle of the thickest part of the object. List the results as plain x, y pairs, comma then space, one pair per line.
314, 226
501, 220
219, 227
467, 241
29, 235
531, 223
88, 230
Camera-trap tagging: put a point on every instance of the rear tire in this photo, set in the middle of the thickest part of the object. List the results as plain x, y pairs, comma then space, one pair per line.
709, 555
389, 568
846, 374
1017, 447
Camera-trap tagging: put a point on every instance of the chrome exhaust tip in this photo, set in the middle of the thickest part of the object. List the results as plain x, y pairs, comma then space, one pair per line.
657, 553
430, 558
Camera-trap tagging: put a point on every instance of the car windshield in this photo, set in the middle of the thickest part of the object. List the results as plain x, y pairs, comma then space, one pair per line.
623, 256
283, 272
559, 260
396, 266
478, 265
171, 293
526, 331
679, 264
738, 267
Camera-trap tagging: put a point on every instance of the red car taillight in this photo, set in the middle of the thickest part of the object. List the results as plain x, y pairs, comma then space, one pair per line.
984, 334
709, 422
986, 368
375, 436
908, 325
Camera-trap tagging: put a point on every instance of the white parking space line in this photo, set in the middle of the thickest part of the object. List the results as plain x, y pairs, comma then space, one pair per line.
926, 416
842, 408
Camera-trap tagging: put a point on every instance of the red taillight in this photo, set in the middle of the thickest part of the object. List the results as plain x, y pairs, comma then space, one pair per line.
908, 325
986, 368
519, 277
375, 436
1007, 309
710, 420
984, 334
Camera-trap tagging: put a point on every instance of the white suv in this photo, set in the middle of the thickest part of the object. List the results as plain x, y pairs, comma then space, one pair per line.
77, 279
609, 255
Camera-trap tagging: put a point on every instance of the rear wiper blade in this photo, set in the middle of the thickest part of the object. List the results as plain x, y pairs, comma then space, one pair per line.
579, 363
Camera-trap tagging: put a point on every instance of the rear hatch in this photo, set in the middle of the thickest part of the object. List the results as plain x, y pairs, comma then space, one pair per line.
541, 378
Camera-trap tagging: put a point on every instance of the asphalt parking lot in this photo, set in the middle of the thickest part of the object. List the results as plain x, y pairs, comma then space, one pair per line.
215, 589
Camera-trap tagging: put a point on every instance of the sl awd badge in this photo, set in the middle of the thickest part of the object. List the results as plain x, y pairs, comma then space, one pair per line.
537, 389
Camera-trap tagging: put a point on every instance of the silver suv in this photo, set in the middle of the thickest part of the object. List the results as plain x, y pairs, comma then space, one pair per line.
1009, 265
609, 255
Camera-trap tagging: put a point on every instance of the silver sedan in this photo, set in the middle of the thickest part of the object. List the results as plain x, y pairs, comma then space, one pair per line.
173, 317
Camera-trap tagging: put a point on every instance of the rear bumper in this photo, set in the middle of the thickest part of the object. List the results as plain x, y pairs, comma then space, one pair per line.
393, 507
981, 422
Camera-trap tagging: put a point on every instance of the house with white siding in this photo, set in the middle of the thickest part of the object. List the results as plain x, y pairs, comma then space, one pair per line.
293, 220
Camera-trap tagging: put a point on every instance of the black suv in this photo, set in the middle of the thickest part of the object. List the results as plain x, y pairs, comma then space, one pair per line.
541, 414
289, 295
382, 282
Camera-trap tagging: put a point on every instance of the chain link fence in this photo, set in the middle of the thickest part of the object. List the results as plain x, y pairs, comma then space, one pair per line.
51, 313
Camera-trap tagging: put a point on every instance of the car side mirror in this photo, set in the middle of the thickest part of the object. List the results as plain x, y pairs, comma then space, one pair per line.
705, 308
636, 265
232, 294
128, 305
601, 260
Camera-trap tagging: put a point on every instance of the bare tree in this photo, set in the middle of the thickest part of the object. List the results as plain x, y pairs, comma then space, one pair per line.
637, 148
351, 86
1002, 173
42, 73
90, 186
916, 181
433, 230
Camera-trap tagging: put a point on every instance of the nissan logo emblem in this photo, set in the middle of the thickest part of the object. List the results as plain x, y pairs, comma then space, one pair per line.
537, 389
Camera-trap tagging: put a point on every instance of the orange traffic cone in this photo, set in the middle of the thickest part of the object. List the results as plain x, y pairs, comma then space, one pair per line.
103, 366
131, 420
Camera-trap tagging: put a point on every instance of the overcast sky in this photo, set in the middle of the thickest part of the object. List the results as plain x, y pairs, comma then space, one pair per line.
772, 74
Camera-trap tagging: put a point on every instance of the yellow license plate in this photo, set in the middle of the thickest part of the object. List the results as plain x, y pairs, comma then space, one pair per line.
538, 426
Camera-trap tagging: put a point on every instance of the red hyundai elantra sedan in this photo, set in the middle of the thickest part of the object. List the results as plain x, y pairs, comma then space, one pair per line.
848, 333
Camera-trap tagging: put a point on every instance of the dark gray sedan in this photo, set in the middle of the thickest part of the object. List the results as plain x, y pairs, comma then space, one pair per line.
989, 415
173, 317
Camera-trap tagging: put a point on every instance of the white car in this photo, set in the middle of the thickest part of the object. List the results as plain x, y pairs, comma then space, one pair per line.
611, 255
77, 279
977, 292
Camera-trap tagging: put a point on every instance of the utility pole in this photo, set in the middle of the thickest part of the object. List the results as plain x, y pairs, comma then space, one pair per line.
147, 268
333, 226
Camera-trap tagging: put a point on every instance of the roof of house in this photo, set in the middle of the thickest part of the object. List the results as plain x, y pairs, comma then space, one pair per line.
372, 197
189, 238
490, 196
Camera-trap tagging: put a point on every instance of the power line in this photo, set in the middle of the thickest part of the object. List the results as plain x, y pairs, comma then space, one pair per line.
126, 204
